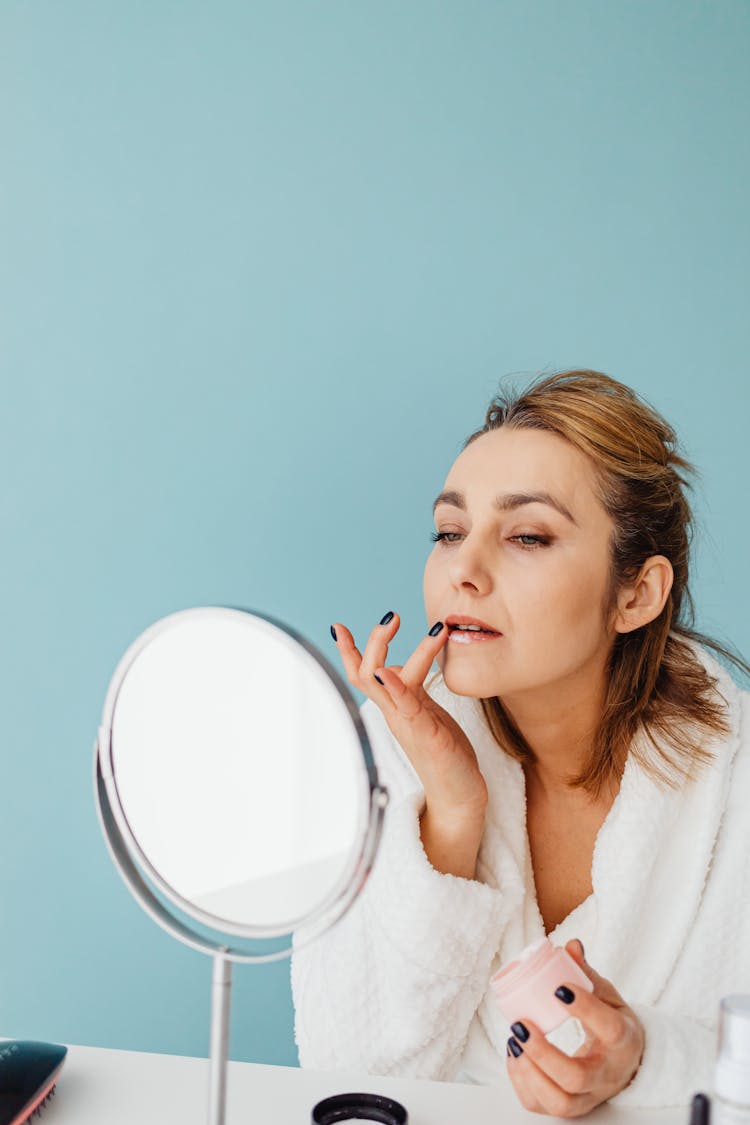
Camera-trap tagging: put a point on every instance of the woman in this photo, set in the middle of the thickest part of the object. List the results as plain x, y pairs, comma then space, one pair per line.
578, 768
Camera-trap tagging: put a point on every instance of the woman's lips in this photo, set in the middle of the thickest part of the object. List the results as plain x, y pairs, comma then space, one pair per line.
471, 637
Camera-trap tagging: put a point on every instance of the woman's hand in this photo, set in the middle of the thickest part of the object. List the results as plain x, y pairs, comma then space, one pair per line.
452, 822
547, 1081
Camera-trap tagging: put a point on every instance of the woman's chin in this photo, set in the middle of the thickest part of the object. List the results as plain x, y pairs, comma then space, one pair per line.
461, 681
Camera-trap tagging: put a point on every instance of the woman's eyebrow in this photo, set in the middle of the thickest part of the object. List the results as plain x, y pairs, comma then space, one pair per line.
507, 501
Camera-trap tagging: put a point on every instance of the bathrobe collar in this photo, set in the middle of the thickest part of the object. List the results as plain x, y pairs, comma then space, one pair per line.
651, 857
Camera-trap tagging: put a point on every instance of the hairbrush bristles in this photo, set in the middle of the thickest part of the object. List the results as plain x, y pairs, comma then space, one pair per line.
37, 1110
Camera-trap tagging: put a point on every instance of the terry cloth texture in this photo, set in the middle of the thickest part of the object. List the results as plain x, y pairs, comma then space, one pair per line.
400, 985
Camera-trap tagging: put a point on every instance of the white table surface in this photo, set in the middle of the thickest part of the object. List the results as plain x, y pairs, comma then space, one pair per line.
98, 1086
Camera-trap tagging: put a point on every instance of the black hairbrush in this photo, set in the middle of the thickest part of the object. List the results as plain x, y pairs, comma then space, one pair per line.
28, 1072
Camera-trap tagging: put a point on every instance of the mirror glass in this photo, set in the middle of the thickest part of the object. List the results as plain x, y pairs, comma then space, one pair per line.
238, 770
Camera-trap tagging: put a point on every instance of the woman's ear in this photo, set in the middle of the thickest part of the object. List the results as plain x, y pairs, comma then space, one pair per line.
642, 601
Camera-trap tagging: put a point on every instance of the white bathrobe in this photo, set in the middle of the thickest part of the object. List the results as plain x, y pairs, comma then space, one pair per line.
400, 985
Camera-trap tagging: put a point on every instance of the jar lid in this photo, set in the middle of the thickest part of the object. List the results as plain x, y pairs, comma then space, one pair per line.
370, 1107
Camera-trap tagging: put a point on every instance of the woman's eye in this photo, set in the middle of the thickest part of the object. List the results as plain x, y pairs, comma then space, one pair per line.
444, 536
530, 542
526, 542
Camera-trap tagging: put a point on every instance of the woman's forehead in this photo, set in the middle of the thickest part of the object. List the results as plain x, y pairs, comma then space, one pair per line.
524, 461
533, 455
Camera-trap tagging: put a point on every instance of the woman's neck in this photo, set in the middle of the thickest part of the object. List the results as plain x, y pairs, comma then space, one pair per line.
559, 723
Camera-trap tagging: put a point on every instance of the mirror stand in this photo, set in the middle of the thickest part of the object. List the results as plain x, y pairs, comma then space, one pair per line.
221, 994
218, 679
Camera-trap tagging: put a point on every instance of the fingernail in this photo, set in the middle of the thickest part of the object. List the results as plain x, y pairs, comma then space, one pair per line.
436, 628
564, 994
520, 1031
377, 677
333, 633
388, 617
583, 951
515, 1047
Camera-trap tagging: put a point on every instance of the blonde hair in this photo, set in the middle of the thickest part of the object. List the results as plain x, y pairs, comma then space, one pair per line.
657, 684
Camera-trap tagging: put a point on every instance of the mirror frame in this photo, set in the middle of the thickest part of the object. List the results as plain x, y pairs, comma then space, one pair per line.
144, 880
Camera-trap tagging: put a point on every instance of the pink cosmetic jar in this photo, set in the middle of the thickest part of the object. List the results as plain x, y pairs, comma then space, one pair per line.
525, 989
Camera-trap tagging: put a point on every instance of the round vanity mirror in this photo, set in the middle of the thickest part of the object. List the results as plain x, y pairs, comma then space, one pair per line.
236, 789
238, 771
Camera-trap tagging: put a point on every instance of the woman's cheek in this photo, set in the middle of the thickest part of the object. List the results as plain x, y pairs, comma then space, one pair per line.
428, 584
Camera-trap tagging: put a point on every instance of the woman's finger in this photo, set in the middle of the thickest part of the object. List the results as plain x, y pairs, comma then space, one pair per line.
424, 728
573, 1075
355, 668
350, 655
415, 671
575, 948
517, 1077
542, 1091
603, 988
408, 705
601, 1019
351, 658
376, 649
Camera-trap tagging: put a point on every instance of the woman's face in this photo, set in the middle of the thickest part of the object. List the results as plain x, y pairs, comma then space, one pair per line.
527, 552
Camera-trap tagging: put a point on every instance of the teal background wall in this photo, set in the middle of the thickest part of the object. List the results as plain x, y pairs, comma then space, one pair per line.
262, 265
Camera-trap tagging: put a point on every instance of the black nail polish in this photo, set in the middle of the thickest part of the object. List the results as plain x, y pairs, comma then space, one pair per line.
699, 1110
515, 1047
377, 677
520, 1031
388, 617
333, 633
583, 951
436, 628
564, 994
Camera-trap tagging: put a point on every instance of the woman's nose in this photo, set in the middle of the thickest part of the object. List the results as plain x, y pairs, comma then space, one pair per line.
467, 568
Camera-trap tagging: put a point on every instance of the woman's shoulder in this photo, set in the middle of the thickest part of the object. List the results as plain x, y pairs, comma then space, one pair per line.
738, 716
735, 697
730, 767
730, 750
